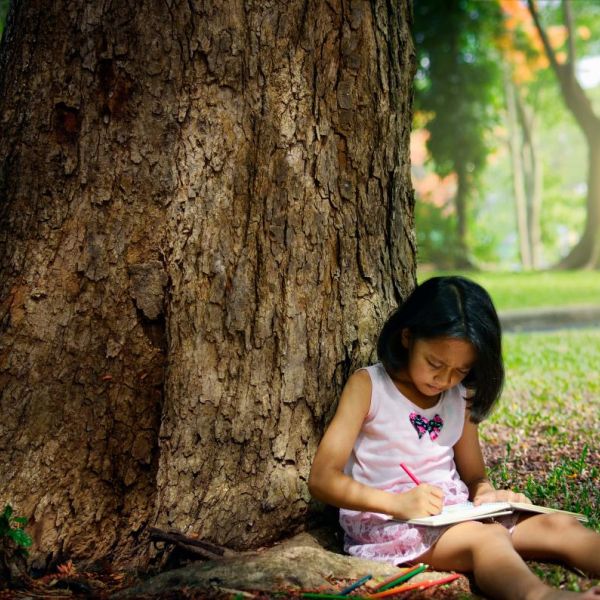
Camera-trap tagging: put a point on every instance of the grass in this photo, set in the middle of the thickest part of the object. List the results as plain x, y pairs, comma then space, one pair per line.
548, 419
543, 438
535, 289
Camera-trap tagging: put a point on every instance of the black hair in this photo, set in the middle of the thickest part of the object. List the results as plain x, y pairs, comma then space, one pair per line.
453, 307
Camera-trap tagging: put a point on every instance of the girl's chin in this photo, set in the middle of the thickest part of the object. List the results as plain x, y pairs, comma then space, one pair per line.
431, 390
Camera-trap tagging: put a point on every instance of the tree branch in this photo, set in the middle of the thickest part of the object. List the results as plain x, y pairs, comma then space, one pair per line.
574, 95
568, 19
558, 68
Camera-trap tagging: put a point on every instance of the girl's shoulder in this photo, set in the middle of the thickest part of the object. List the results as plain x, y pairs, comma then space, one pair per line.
374, 372
356, 396
373, 380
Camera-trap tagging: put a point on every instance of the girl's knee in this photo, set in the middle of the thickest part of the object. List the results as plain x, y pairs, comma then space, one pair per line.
557, 523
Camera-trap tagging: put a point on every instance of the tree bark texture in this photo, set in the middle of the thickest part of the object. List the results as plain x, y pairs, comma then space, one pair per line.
206, 214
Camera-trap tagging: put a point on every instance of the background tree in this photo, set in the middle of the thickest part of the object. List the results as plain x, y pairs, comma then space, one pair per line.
586, 253
459, 85
520, 47
205, 214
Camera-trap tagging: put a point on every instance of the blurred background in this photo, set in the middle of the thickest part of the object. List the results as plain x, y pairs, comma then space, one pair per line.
506, 135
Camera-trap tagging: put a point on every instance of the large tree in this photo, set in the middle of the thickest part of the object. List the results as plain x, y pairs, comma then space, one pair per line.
206, 213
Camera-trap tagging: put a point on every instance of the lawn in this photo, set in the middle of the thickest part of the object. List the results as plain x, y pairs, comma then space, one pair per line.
536, 289
543, 437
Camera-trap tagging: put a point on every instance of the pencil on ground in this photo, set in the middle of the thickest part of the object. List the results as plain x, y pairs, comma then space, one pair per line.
355, 585
400, 579
393, 578
420, 585
321, 596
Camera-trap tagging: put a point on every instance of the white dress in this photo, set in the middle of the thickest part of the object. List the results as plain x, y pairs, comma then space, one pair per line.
398, 431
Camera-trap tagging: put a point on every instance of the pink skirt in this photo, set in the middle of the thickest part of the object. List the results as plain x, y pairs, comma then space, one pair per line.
376, 536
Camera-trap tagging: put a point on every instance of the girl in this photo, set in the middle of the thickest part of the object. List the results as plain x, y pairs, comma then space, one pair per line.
440, 374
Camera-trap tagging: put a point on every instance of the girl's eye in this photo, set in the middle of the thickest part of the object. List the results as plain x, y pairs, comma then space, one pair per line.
434, 365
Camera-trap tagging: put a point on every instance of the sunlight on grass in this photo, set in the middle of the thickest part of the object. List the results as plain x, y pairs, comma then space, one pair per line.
535, 290
543, 436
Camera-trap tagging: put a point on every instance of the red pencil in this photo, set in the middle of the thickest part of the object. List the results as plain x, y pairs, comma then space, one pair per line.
410, 474
421, 585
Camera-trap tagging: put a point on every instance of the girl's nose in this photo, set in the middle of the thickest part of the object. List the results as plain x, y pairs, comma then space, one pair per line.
445, 377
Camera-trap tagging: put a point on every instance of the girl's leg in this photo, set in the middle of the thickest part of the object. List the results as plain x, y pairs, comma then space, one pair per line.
487, 550
558, 537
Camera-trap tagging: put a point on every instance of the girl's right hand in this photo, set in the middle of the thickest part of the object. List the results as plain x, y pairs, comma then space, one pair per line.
421, 501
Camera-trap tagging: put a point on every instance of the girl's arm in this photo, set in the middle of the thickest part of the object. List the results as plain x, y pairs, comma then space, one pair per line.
471, 468
329, 483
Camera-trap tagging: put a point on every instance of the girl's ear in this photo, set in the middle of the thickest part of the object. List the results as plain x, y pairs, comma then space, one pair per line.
406, 338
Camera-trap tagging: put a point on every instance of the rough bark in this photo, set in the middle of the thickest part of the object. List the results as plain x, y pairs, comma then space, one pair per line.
206, 213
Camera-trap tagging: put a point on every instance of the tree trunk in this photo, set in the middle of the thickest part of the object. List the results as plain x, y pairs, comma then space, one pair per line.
206, 214
463, 190
527, 174
518, 175
586, 253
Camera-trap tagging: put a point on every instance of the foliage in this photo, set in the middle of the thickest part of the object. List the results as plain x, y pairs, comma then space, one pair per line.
436, 240
457, 92
542, 440
492, 226
457, 79
12, 528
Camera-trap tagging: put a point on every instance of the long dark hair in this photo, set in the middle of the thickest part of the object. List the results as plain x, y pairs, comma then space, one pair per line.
454, 307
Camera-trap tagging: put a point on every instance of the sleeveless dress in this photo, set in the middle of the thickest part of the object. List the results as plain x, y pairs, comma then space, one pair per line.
398, 431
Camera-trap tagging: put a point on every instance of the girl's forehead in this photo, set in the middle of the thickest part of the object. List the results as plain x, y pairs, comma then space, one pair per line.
451, 350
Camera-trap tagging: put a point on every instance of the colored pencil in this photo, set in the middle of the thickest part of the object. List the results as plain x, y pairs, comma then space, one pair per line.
404, 577
355, 585
393, 578
410, 474
320, 596
420, 585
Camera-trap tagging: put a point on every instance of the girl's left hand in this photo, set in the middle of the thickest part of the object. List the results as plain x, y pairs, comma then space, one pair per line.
499, 496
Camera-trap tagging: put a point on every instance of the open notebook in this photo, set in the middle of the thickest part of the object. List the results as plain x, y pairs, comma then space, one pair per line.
465, 511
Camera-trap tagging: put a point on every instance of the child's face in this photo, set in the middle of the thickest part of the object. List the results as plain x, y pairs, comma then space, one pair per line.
437, 365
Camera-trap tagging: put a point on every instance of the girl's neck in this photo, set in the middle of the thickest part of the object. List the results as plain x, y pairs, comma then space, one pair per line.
407, 388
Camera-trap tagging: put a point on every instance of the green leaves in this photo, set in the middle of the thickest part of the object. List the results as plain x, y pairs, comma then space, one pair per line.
458, 80
13, 528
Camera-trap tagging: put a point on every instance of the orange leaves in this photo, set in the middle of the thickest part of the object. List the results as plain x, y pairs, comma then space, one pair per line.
584, 32
521, 45
430, 188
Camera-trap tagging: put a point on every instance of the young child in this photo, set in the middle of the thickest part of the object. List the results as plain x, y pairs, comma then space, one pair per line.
440, 374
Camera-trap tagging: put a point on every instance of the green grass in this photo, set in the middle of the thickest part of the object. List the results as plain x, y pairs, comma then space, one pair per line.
543, 436
535, 289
